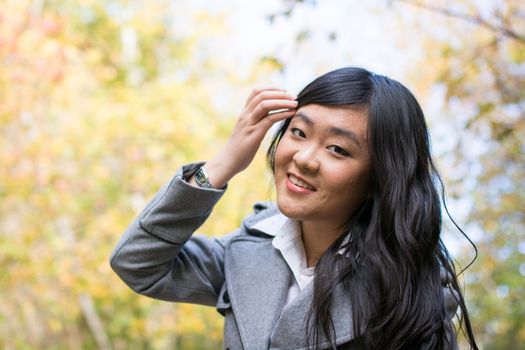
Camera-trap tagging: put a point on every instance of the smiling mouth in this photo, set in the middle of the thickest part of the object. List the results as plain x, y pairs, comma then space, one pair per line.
300, 183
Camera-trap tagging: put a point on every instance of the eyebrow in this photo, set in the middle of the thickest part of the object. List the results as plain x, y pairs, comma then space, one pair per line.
333, 130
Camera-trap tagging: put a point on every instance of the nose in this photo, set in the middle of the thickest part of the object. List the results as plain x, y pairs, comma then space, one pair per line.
306, 160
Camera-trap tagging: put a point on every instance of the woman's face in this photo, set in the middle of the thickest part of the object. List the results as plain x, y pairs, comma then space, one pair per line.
322, 164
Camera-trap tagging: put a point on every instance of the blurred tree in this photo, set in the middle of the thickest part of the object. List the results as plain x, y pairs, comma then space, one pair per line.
480, 62
101, 102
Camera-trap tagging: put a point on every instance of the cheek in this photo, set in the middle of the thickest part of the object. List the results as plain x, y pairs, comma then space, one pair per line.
351, 187
282, 155
278, 166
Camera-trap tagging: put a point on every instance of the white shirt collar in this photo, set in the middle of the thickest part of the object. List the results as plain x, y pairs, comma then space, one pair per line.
279, 225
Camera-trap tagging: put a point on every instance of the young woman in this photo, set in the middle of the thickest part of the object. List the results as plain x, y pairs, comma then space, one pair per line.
349, 257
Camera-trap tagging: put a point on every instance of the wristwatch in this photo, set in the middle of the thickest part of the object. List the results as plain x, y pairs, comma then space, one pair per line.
202, 179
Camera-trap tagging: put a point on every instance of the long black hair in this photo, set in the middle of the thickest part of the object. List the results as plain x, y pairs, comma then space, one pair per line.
395, 263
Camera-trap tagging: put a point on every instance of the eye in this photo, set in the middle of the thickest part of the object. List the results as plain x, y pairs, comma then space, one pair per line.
298, 132
338, 150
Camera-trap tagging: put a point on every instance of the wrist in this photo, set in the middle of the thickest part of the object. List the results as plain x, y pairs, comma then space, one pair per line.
218, 173
199, 177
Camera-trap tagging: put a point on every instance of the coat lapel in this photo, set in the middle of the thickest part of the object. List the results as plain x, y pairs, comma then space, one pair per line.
258, 279
290, 330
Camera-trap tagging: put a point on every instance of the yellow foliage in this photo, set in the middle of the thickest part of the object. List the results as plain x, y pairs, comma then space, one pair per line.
87, 135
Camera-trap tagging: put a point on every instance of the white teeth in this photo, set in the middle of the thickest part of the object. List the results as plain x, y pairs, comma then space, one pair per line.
300, 183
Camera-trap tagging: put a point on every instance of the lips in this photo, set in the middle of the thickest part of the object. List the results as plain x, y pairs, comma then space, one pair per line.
297, 181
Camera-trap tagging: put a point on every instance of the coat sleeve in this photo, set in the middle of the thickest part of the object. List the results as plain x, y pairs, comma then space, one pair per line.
158, 257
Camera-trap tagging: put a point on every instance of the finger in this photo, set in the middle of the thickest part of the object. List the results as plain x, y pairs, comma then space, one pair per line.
265, 96
275, 111
264, 107
257, 91
276, 117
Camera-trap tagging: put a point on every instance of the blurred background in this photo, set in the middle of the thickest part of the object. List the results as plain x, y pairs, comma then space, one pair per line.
102, 100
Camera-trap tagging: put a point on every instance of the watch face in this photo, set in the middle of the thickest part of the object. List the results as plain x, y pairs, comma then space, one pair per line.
198, 176
202, 179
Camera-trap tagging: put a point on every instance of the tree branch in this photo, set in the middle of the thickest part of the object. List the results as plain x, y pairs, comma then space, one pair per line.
94, 322
477, 20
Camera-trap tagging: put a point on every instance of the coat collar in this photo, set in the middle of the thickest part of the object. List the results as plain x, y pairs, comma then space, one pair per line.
267, 220
258, 279
262, 211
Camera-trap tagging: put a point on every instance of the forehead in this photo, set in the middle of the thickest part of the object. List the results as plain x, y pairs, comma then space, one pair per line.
345, 120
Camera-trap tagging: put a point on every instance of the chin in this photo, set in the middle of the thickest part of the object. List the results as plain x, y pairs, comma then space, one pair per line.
291, 211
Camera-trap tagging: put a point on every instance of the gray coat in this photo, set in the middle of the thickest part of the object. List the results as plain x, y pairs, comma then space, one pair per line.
241, 274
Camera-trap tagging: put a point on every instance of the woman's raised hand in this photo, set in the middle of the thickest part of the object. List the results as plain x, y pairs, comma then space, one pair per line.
248, 133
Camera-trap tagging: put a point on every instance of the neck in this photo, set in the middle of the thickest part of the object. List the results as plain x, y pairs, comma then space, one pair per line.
317, 238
